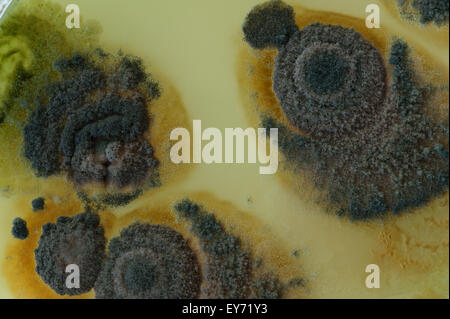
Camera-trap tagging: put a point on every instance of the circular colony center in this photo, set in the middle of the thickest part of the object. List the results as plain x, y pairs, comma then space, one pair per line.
140, 274
324, 72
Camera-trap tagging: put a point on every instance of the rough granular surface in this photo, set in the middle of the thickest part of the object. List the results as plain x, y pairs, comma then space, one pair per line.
371, 145
270, 24
156, 262
228, 271
329, 80
20, 229
33, 34
38, 204
149, 262
399, 163
79, 240
436, 11
92, 123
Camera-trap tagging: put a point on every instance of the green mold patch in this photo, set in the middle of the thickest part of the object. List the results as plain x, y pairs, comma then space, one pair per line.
33, 34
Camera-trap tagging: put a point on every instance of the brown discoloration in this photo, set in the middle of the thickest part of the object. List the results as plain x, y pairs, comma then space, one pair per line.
19, 265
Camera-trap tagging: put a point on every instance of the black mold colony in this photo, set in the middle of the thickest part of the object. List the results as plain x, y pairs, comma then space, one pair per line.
373, 148
79, 240
269, 25
329, 80
228, 269
92, 123
19, 229
149, 262
436, 11
38, 204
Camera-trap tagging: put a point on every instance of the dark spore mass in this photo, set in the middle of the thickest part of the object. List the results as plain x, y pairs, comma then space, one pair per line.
228, 272
149, 262
38, 204
329, 80
270, 24
370, 145
140, 274
325, 72
19, 229
79, 240
393, 159
116, 200
91, 124
436, 11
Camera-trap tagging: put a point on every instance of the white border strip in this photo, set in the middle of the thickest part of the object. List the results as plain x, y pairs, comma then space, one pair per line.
3, 6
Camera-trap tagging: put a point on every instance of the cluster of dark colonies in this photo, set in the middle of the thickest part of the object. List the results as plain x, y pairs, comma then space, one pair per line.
149, 262
371, 145
19, 229
228, 270
79, 240
436, 11
92, 123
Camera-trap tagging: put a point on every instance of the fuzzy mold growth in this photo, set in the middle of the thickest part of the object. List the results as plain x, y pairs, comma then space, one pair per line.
92, 123
436, 11
20, 229
149, 262
79, 240
32, 36
154, 261
228, 271
369, 145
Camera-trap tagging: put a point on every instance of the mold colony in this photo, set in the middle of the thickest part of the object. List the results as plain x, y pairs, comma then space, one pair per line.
78, 240
91, 124
19, 229
38, 204
33, 36
371, 145
372, 132
196, 257
85, 114
435, 11
149, 261
228, 269
70, 109
329, 81
156, 261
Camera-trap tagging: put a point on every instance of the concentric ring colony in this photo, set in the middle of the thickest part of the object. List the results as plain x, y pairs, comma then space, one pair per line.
91, 124
71, 241
371, 145
154, 261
